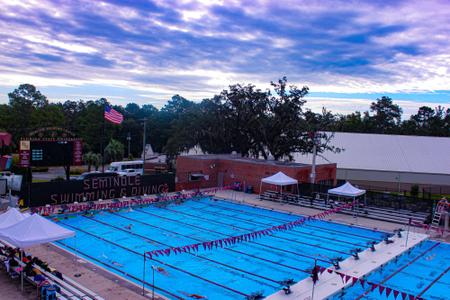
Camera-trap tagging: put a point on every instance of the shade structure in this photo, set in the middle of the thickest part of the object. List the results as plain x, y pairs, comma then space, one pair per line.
347, 189
34, 230
280, 179
11, 217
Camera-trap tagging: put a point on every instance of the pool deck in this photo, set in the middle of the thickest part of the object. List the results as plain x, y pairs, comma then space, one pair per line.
105, 283
330, 284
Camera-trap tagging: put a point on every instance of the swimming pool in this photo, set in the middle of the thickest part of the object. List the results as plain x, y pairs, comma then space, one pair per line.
117, 241
423, 272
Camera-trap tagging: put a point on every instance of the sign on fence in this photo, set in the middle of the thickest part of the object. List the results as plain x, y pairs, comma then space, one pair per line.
92, 189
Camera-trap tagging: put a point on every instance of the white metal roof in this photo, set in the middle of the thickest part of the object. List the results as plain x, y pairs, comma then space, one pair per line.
400, 153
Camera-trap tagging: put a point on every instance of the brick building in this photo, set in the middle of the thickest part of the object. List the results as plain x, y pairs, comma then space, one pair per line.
201, 171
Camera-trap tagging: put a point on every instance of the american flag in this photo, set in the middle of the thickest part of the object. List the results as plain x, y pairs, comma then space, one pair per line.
112, 115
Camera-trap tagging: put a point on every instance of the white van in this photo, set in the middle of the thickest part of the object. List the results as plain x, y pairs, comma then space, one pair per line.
124, 167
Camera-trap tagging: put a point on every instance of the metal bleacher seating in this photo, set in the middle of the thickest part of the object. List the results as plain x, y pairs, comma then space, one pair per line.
68, 288
377, 213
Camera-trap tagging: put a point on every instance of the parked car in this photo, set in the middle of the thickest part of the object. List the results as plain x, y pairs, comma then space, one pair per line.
130, 172
96, 174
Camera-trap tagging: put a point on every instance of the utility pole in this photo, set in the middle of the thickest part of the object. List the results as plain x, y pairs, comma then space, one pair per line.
129, 143
312, 176
143, 146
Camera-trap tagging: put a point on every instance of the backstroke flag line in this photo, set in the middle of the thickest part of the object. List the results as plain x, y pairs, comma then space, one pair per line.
112, 115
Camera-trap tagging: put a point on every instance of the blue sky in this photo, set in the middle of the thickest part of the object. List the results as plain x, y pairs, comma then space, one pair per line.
347, 52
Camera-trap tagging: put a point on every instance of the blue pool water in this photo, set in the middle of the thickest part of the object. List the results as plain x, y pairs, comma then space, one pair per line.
231, 273
422, 272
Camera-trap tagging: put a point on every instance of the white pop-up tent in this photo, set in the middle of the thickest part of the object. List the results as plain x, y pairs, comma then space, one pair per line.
11, 217
347, 190
34, 230
279, 179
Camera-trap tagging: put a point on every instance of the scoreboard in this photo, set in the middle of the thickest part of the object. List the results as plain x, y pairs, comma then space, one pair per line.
50, 152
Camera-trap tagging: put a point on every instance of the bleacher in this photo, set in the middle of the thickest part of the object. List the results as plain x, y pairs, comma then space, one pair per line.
68, 289
399, 216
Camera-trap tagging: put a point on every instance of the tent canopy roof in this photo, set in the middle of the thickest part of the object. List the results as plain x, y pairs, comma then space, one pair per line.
11, 217
34, 230
280, 179
347, 190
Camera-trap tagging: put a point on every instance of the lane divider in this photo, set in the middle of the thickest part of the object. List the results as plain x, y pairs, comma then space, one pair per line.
245, 237
158, 261
199, 240
251, 241
199, 256
400, 269
279, 219
293, 232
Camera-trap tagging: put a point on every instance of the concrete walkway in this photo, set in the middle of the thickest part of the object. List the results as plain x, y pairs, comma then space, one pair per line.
330, 284
108, 285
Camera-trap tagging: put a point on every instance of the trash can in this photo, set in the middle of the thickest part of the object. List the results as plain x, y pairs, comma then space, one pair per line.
249, 189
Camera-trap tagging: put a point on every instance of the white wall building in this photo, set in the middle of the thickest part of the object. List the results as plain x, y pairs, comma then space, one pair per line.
391, 162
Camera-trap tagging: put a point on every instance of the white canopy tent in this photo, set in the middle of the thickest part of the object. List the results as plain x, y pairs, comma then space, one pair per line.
347, 190
11, 217
279, 179
33, 230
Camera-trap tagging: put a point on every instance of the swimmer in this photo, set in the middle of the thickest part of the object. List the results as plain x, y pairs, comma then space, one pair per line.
195, 296
117, 264
162, 271
129, 227
430, 257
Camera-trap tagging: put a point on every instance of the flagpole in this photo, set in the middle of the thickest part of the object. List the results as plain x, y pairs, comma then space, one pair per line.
102, 148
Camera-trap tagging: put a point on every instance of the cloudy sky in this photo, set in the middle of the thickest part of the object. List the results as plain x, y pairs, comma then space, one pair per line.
347, 52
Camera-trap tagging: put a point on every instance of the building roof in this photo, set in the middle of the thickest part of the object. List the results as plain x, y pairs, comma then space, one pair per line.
399, 153
233, 157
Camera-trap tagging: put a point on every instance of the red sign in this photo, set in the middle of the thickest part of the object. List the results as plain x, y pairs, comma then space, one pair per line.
77, 153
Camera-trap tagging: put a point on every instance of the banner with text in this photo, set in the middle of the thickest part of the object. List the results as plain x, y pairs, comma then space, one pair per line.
92, 189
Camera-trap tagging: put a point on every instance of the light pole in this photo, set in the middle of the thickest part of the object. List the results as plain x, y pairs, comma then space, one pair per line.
143, 146
129, 143
153, 282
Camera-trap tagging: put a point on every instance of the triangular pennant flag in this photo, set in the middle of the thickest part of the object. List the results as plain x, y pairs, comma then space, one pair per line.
412, 297
381, 289
404, 295
388, 291
362, 282
347, 278
321, 270
329, 271
396, 293
374, 286
354, 280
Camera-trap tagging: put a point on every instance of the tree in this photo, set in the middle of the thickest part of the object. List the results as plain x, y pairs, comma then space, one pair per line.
23, 102
27, 94
387, 115
114, 151
92, 159
244, 113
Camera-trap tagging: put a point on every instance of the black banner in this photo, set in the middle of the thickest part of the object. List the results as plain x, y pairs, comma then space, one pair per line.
92, 189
